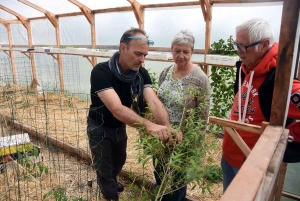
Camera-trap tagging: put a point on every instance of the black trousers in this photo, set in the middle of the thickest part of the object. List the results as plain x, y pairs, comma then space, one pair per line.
108, 147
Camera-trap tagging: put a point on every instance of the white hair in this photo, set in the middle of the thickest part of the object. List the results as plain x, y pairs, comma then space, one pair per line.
184, 37
258, 29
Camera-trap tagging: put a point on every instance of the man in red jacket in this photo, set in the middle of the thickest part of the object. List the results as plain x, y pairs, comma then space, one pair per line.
254, 86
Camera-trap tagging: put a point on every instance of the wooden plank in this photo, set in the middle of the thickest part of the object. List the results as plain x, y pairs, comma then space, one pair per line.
281, 178
246, 183
269, 183
285, 61
235, 124
239, 141
263, 126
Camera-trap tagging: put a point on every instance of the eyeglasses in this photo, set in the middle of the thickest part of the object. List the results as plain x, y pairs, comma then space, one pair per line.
243, 48
142, 40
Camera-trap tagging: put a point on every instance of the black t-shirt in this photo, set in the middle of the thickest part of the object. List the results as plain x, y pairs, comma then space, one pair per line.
102, 79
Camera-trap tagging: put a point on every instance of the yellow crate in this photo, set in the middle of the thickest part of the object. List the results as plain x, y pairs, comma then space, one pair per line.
15, 143
17, 148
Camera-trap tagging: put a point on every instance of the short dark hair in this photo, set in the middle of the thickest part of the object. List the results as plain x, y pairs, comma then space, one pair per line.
131, 32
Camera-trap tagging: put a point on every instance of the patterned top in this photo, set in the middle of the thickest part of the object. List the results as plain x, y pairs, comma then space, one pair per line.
171, 94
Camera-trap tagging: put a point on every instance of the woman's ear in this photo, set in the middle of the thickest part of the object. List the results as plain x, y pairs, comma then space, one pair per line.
266, 44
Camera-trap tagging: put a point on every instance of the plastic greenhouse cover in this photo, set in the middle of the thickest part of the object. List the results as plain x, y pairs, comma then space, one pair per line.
64, 6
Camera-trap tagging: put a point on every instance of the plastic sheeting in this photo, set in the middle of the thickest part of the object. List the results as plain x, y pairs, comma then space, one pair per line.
160, 24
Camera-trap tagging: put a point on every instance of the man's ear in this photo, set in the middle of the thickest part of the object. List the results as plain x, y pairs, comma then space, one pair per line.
122, 47
265, 44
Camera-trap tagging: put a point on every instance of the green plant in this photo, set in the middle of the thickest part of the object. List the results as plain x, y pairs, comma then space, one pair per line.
32, 168
213, 173
185, 158
60, 194
154, 78
222, 81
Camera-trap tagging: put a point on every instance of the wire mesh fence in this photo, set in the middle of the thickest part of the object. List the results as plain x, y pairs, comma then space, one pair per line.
61, 167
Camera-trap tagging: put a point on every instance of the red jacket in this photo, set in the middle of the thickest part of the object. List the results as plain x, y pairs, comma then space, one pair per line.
232, 153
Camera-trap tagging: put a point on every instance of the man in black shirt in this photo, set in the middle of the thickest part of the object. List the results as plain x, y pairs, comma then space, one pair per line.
114, 86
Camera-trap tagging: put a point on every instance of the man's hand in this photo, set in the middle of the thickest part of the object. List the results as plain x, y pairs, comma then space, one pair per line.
175, 137
164, 133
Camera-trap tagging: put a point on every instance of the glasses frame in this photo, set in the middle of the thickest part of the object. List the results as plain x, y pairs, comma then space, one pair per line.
238, 46
149, 42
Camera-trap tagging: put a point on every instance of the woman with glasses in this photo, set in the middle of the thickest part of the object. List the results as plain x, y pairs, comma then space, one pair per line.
176, 83
254, 91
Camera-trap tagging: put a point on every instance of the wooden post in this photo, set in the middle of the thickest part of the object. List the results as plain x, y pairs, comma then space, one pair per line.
207, 15
11, 54
90, 16
26, 24
138, 12
54, 21
286, 61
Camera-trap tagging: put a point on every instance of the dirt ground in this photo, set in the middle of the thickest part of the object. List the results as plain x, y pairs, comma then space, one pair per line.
64, 118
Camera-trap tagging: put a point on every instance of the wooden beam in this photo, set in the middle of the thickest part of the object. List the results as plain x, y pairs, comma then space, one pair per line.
89, 60
235, 124
6, 52
11, 54
203, 9
269, 183
3, 21
244, 1
26, 24
25, 53
208, 10
36, 7
48, 14
88, 13
247, 182
125, 9
138, 12
286, 61
239, 141
166, 5
53, 55
24, 20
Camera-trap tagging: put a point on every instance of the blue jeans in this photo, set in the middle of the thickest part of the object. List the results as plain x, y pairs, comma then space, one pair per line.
229, 173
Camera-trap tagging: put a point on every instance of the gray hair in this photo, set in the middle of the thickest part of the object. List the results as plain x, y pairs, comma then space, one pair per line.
184, 37
258, 29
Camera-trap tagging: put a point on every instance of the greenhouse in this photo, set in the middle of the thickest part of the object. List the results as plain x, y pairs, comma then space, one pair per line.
48, 50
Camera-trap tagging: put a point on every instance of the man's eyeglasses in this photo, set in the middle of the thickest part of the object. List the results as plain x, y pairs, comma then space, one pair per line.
143, 40
243, 48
